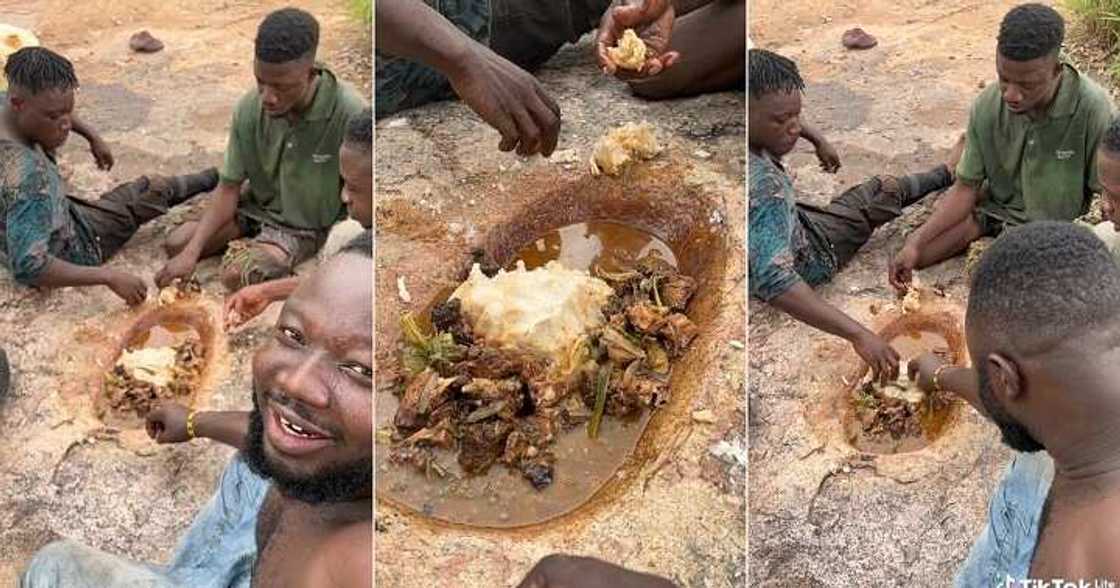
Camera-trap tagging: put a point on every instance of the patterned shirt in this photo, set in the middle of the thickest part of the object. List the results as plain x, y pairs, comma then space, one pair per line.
37, 221
785, 246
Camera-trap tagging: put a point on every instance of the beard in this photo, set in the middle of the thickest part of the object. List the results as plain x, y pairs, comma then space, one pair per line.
1014, 434
336, 483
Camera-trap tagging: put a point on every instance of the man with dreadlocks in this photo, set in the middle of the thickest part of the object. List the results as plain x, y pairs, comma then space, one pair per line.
49, 239
1031, 146
294, 506
795, 246
280, 182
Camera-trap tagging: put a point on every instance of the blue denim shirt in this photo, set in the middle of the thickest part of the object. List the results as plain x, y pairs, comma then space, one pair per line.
218, 551
1003, 552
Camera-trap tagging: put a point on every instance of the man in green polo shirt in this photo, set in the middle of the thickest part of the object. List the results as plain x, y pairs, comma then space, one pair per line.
1030, 146
280, 183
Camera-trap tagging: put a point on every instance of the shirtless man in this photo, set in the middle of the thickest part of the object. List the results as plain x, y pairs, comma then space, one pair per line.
294, 507
1043, 333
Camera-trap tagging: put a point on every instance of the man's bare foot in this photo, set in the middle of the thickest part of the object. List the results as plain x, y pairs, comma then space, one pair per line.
955, 156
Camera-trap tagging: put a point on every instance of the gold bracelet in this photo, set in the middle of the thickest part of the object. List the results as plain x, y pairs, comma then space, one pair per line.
190, 424
937, 377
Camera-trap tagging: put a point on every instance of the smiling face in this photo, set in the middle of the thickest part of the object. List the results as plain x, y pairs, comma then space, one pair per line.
311, 431
45, 118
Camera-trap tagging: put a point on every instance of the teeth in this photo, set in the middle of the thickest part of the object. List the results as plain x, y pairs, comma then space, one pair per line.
295, 429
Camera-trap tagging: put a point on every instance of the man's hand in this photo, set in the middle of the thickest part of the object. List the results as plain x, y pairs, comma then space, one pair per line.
129, 287
922, 368
101, 153
879, 355
509, 99
901, 271
245, 304
829, 157
562, 571
167, 423
653, 21
180, 266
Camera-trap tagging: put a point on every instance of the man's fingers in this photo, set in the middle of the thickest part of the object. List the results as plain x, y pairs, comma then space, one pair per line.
637, 14
548, 101
547, 115
529, 134
505, 125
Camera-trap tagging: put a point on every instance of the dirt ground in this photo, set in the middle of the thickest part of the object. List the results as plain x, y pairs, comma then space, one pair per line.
442, 185
62, 473
821, 514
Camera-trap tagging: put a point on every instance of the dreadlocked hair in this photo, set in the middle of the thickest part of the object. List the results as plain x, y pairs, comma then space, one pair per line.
36, 69
770, 72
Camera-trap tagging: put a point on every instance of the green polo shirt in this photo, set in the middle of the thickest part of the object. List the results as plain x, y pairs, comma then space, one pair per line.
1037, 169
292, 168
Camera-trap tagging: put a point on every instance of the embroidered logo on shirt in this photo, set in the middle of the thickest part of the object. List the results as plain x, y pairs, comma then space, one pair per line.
1063, 154
320, 157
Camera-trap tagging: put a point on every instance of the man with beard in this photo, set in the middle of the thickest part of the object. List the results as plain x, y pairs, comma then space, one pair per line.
294, 507
279, 190
1043, 333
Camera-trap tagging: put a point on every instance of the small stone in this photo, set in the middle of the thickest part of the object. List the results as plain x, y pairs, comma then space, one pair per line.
736, 344
857, 38
397, 123
144, 42
704, 416
702, 154
402, 291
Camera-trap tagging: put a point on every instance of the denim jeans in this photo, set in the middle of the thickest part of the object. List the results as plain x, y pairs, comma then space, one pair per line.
1002, 554
218, 551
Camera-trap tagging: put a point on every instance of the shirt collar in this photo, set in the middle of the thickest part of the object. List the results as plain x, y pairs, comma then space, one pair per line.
322, 105
1067, 98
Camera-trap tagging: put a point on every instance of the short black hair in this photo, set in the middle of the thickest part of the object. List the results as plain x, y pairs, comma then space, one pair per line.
36, 69
1042, 284
361, 245
1030, 31
287, 35
359, 132
1110, 142
769, 72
